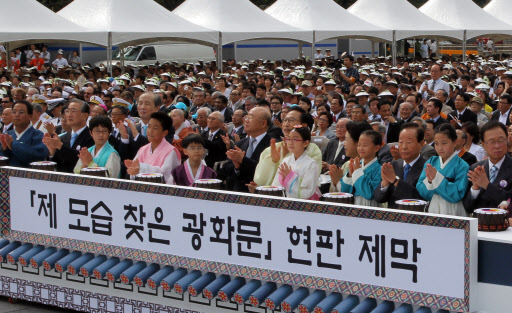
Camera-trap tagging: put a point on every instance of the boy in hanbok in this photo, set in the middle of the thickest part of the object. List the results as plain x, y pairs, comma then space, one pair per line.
298, 173
158, 156
364, 174
102, 154
444, 180
194, 167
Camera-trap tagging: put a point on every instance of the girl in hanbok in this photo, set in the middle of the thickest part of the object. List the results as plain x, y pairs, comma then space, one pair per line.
194, 167
364, 174
444, 180
298, 173
102, 154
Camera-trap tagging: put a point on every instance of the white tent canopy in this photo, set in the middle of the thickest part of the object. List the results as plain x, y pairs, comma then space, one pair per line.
327, 19
239, 20
133, 22
403, 18
468, 16
51, 26
500, 9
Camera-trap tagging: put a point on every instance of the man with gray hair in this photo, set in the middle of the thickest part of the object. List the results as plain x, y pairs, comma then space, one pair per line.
427, 151
65, 150
213, 139
250, 103
199, 101
202, 120
36, 117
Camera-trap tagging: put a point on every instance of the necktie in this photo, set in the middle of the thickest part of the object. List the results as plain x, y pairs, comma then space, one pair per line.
210, 137
233, 132
334, 118
144, 130
73, 138
433, 85
407, 168
493, 173
250, 151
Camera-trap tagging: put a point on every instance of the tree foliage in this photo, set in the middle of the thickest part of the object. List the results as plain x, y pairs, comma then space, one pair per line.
56, 5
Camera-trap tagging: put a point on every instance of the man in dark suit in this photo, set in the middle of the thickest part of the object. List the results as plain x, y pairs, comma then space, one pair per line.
502, 114
392, 124
239, 170
434, 107
7, 119
462, 113
199, 102
399, 177
221, 105
335, 151
148, 104
491, 179
236, 127
65, 150
462, 137
213, 139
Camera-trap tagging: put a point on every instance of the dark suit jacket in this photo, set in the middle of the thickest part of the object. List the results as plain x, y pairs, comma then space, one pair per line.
470, 158
275, 132
468, 116
240, 132
393, 131
440, 121
237, 180
496, 117
228, 113
216, 148
330, 152
67, 156
405, 189
496, 192
8, 129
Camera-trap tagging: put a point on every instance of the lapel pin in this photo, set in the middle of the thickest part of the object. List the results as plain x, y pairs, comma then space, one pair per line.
503, 184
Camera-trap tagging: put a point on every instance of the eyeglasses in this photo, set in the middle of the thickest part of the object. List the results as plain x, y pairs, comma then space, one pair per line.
292, 140
71, 111
104, 132
18, 112
289, 120
500, 141
211, 118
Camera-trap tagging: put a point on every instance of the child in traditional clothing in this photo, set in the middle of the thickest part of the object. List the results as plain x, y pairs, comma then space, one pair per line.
194, 167
364, 174
298, 173
102, 154
444, 180
158, 156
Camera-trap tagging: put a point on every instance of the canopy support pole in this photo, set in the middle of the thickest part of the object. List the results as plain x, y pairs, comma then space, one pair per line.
219, 54
393, 48
373, 49
464, 58
80, 50
235, 50
8, 49
121, 51
438, 48
414, 49
300, 50
109, 53
313, 44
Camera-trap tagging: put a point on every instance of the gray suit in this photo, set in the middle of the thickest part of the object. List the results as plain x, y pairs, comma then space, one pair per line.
330, 152
405, 189
427, 151
498, 191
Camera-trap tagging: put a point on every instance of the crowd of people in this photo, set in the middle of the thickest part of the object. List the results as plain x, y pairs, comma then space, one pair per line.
429, 129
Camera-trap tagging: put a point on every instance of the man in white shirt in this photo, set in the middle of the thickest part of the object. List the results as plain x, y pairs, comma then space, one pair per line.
429, 87
318, 54
45, 55
502, 113
59, 61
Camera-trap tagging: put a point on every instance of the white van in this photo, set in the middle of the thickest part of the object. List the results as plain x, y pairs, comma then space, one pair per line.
150, 54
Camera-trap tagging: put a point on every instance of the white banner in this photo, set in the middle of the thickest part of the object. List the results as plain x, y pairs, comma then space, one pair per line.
397, 255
